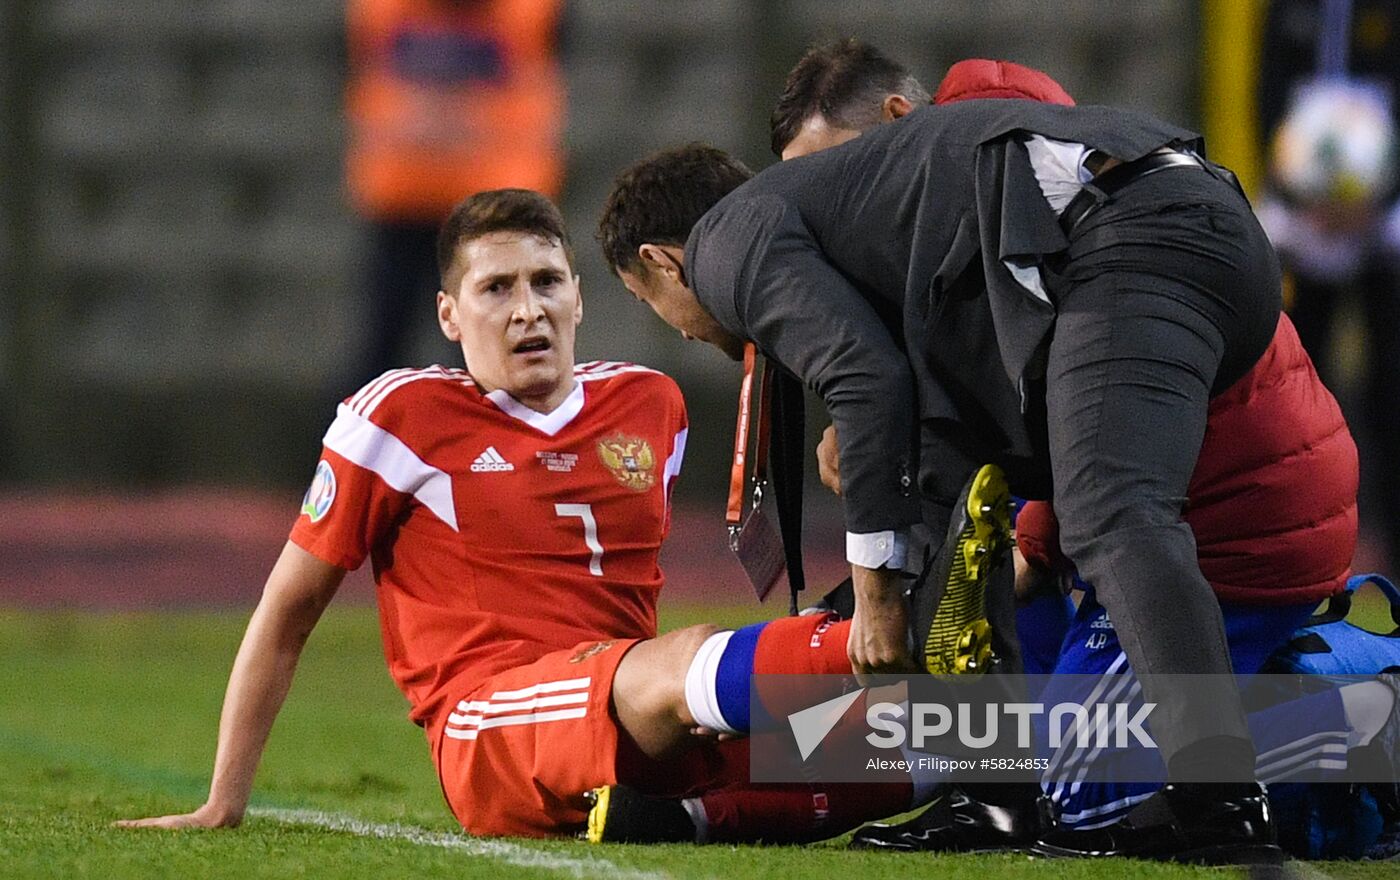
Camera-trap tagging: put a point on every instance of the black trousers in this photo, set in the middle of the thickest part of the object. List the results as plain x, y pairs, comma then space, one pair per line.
1167, 295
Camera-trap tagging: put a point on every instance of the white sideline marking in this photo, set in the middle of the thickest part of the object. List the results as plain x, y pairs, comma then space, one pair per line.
510, 853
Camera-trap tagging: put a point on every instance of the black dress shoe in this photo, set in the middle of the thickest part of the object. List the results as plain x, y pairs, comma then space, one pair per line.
1195, 824
957, 822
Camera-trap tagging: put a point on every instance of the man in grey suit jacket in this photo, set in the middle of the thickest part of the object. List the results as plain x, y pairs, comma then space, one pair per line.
1059, 290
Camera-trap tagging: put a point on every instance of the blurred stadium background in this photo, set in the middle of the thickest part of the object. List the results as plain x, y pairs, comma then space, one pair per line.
182, 276
182, 302
181, 305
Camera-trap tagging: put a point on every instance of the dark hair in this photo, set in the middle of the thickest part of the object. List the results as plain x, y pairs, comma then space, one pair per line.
499, 210
659, 199
845, 83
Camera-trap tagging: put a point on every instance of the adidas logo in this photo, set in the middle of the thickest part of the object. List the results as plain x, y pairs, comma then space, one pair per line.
490, 461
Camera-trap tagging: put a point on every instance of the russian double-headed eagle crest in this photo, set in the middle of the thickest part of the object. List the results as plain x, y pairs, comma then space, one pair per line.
631, 461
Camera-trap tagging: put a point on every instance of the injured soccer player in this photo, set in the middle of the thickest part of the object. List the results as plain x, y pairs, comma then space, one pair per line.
513, 512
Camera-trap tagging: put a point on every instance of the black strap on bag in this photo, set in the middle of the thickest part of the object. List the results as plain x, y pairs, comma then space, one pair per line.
772, 409
786, 460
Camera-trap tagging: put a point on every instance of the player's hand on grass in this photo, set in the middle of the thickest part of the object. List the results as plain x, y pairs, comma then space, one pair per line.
206, 816
828, 462
879, 640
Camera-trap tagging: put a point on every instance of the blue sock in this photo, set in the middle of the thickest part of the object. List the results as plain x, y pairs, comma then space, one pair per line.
733, 676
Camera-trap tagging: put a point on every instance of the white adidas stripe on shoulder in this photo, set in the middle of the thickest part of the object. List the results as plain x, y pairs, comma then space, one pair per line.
355, 438
369, 396
608, 370
599, 366
367, 399
372, 387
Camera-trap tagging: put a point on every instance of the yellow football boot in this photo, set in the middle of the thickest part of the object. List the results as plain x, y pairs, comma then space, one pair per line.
619, 814
957, 640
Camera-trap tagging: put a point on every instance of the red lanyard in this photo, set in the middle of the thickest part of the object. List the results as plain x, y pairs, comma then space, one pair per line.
734, 513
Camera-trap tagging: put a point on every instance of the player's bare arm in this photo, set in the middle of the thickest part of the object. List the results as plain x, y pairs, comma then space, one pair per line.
297, 592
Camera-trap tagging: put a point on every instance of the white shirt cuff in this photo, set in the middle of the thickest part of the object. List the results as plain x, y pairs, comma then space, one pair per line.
886, 549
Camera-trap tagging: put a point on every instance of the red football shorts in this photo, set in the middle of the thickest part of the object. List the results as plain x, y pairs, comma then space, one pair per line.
518, 753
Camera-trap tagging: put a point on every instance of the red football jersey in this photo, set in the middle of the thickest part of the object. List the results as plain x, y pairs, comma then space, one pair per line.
497, 533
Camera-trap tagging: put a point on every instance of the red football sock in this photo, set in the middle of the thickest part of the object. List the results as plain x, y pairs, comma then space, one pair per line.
798, 813
814, 644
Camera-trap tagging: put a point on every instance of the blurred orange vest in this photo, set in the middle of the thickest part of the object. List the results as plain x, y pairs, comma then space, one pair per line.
450, 97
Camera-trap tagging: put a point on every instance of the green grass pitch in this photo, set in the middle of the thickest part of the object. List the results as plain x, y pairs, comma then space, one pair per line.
113, 716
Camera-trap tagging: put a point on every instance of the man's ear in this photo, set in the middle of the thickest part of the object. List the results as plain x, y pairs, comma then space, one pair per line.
447, 316
578, 301
895, 107
661, 259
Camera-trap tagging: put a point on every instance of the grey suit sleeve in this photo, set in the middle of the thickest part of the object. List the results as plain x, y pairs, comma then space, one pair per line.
804, 314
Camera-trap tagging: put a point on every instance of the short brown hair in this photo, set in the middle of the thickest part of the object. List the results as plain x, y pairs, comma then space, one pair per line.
661, 198
499, 210
845, 83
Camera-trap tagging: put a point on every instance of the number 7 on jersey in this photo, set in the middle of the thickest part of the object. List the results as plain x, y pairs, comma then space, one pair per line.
590, 533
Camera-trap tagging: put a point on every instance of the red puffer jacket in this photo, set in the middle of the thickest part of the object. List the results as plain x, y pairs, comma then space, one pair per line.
1272, 501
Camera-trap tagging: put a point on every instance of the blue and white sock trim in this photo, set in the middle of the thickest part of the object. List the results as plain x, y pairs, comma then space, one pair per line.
717, 683
700, 696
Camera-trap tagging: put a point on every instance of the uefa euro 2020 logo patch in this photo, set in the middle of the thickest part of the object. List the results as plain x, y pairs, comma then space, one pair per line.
631, 461
319, 497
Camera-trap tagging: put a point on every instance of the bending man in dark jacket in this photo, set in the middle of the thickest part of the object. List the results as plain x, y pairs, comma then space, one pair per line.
959, 286
1271, 502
